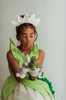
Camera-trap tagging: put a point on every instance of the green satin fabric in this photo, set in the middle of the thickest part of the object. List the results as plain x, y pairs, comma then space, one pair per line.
11, 83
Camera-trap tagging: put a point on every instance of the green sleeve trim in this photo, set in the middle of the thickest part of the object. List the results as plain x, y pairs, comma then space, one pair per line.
16, 54
11, 42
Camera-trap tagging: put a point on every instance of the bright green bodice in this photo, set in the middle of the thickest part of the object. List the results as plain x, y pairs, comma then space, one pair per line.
19, 56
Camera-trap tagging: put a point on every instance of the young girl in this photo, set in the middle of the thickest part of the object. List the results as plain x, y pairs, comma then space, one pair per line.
26, 83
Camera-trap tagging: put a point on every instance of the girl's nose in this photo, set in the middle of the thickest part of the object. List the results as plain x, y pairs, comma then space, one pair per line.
28, 39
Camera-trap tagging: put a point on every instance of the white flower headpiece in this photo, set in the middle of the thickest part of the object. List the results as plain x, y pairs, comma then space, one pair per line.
26, 19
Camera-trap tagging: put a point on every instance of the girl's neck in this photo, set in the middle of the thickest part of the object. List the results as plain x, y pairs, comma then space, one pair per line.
25, 50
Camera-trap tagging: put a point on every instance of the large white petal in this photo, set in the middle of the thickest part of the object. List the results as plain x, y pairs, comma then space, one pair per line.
23, 19
19, 19
32, 18
15, 23
26, 18
36, 22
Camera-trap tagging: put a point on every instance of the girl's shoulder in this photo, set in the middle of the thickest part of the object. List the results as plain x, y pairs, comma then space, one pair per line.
9, 55
41, 52
41, 56
9, 52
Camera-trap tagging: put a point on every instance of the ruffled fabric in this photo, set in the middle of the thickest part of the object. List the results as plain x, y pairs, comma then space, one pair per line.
43, 78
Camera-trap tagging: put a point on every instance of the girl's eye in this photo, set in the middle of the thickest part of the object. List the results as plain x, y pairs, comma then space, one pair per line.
24, 36
31, 36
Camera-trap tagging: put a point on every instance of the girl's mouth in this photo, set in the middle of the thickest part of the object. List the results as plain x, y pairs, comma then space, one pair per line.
28, 44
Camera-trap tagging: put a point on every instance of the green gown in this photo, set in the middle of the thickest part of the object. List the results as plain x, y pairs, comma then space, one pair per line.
11, 83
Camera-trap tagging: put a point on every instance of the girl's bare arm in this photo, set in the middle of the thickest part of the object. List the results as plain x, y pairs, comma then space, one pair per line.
13, 65
41, 57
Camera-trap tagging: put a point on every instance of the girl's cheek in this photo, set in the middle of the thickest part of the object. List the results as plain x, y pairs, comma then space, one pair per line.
23, 40
32, 40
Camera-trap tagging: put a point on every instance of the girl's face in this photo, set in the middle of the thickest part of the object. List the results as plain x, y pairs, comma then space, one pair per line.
27, 37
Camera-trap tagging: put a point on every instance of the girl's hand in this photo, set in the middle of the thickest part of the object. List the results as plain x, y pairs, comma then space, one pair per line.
34, 73
22, 72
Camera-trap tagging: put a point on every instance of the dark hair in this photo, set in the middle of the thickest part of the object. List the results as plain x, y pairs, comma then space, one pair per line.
25, 25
